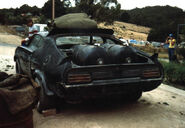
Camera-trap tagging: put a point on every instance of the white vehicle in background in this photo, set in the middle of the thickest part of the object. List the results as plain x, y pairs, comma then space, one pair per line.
42, 29
156, 44
125, 42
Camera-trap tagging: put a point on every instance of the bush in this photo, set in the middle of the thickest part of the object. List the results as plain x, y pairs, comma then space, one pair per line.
174, 72
181, 51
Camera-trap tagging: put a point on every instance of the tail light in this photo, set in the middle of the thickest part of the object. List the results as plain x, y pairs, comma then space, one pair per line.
151, 73
79, 78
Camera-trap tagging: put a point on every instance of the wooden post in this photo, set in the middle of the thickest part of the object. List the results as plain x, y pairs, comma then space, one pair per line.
53, 9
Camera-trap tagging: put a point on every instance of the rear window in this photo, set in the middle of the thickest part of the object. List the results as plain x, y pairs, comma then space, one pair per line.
72, 40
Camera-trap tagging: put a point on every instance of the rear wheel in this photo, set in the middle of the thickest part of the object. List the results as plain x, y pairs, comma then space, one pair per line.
45, 101
18, 67
134, 96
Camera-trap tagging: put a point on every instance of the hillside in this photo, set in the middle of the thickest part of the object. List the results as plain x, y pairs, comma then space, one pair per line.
127, 30
121, 29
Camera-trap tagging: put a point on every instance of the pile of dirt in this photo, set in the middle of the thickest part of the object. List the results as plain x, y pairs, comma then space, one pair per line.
127, 30
7, 30
10, 39
8, 35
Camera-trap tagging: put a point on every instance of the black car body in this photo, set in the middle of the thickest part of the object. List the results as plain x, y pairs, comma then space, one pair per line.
80, 64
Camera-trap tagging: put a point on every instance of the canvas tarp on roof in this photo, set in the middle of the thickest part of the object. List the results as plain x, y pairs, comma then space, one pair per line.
75, 21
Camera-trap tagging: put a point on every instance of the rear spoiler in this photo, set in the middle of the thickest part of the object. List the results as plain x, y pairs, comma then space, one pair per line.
89, 31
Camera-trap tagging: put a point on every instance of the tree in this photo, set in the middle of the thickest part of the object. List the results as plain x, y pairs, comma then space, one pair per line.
59, 8
162, 19
25, 8
124, 16
35, 11
100, 10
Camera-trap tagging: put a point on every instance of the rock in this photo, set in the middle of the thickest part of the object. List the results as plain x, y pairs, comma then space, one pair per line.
143, 100
173, 97
181, 113
8, 66
49, 112
165, 103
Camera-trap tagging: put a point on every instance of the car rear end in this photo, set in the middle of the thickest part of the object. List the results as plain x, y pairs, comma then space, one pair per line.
106, 69
114, 79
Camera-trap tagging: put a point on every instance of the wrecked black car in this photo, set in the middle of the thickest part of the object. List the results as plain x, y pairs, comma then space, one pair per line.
73, 64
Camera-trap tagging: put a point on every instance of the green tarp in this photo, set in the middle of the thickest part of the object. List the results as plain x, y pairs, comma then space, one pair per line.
75, 21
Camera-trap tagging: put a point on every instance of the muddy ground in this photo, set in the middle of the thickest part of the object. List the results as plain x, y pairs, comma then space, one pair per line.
163, 107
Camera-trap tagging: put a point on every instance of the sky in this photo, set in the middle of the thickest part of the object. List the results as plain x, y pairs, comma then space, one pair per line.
125, 4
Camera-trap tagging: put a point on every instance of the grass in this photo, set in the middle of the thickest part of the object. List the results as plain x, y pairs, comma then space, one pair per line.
127, 31
174, 72
162, 53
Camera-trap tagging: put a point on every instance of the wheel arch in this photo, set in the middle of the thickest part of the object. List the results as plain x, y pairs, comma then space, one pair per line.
40, 75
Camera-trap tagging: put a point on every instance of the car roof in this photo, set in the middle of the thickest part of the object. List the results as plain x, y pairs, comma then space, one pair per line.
43, 25
85, 31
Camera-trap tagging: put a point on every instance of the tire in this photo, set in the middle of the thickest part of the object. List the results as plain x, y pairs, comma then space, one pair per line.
18, 67
45, 102
133, 97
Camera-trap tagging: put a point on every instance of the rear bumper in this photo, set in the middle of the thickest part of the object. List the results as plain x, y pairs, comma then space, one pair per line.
100, 88
114, 82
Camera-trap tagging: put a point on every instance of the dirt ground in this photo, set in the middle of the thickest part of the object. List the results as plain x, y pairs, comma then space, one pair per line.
9, 36
10, 39
161, 108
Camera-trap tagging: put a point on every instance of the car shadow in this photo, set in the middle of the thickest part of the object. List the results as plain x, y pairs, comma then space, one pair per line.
106, 109
105, 105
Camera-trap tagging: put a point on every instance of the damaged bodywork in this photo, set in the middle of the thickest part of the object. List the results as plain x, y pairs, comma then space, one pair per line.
79, 64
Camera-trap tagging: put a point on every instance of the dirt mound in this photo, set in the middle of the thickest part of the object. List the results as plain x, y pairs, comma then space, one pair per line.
10, 39
127, 30
6, 29
8, 35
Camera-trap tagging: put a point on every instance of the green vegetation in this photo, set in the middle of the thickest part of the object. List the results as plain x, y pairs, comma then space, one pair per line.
162, 19
18, 16
174, 72
181, 51
60, 8
102, 10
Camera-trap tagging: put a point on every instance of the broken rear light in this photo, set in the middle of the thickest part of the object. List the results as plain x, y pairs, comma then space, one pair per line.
151, 73
79, 78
